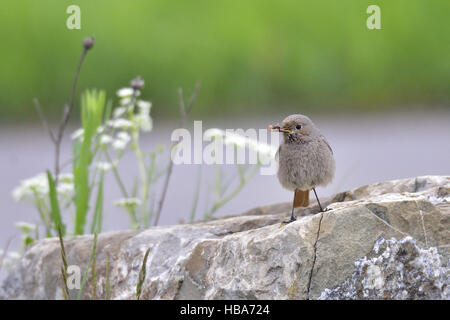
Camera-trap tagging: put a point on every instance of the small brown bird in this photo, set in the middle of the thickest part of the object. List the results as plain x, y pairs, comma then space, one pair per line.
305, 159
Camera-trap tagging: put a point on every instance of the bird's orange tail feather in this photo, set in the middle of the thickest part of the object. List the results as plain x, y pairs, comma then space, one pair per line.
301, 198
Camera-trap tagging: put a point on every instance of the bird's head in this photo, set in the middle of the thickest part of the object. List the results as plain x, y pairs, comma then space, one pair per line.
297, 128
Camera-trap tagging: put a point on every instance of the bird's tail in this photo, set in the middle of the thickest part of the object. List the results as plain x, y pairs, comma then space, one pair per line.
301, 198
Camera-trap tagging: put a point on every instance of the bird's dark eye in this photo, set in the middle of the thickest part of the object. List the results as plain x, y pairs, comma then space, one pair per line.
298, 127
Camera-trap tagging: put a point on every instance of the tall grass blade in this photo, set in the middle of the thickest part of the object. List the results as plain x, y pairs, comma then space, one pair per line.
91, 257
93, 277
54, 205
97, 219
107, 285
64, 261
142, 275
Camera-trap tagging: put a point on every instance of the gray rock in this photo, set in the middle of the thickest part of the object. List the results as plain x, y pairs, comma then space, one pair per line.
396, 270
254, 256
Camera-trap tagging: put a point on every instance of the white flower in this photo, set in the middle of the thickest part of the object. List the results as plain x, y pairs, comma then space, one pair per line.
28, 189
124, 92
37, 187
78, 134
65, 190
263, 149
66, 177
142, 118
125, 101
119, 144
228, 137
121, 124
104, 166
127, 202
144, 121
236, 139
10, 260
144, 104
121, 141
105, 139
119, 111
214, 133
26, 227
100, 129
123, 135
13, 255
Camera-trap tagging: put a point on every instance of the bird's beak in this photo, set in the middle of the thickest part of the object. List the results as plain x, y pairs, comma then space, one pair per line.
285, 130
279, 129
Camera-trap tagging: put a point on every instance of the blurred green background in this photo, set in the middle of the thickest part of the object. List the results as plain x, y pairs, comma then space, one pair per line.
251, 55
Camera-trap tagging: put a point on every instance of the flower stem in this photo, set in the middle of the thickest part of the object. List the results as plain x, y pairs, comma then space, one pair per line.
223, 201
116, 175
131, 211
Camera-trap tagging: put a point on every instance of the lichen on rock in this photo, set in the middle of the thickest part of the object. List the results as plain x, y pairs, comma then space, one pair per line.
396, 269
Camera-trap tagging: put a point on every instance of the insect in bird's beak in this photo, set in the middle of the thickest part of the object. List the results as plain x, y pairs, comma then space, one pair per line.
280, 129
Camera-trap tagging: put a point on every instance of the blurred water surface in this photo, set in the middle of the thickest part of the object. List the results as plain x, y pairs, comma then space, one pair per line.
367, 149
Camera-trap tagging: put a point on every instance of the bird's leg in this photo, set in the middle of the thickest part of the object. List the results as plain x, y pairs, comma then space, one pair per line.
293, 218
320, 207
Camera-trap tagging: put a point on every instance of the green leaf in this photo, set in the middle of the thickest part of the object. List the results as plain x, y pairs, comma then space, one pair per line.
92, 106
108, 111
28, 240
54, 205
77, 143
96, 225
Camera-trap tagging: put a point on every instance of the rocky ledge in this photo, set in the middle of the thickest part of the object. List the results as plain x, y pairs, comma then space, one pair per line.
389, 240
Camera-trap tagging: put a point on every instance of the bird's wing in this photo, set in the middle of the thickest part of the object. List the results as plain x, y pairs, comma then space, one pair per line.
326, 142
277, 155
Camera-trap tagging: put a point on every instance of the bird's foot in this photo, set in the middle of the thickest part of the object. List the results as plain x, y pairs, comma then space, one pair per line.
325, 210
291, 219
